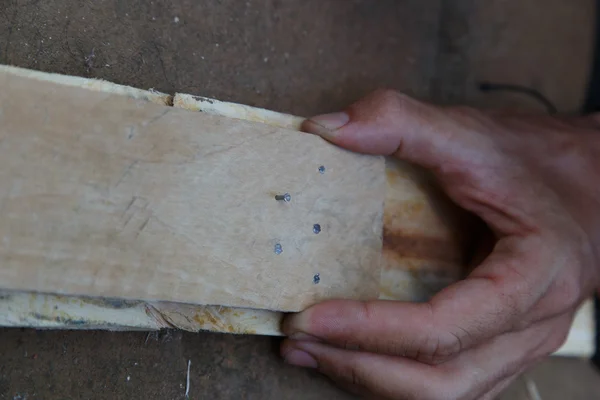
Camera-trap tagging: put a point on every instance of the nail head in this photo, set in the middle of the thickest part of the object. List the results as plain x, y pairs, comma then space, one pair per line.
283, 197
316, 229
322, 169
278, 249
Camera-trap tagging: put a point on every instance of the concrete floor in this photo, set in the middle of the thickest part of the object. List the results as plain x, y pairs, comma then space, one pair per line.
301, 57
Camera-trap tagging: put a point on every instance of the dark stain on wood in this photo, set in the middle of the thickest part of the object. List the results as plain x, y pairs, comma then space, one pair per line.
422, 247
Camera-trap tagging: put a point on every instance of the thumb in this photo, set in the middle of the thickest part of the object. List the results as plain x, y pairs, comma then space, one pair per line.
461, 146
390, 123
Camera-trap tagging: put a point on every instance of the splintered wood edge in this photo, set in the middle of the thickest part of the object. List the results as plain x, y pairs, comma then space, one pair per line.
63, 312
237, 111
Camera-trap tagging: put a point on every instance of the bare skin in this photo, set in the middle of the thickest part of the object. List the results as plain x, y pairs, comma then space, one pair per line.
535, 182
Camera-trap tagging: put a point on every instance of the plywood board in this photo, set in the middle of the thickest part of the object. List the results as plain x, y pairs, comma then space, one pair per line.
103, 195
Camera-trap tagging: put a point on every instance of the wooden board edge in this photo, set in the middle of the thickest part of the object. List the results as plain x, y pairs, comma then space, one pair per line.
237, 111
151, 95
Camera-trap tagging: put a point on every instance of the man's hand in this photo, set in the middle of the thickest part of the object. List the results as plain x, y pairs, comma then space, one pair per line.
535, 183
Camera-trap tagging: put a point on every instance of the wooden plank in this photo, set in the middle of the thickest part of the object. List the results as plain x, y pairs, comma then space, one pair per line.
425, 236
107, 196
417, 215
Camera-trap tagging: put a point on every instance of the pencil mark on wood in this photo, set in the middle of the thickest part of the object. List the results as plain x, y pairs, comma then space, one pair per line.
135, 218
126, 172
141, 228
159, 116
129, 205
215, 152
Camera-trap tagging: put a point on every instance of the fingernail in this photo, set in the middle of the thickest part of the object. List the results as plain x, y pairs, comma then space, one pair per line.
298, 323
325, 125
300, 358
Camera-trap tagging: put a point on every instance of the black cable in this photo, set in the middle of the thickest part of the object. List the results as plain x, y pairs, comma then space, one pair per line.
488, 87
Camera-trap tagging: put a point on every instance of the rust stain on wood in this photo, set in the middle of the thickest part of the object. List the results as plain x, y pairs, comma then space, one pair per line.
421, 247
409, 209
392, 176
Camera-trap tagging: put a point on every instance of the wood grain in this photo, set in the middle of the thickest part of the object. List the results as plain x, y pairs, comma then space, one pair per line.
426, 241
107, 196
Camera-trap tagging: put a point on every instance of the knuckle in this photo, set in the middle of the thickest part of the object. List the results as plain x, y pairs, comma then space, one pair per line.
442, 342
388, 96
512, 300
367, 313
448, 345
440, 348
517, 312
516, 304
389, 100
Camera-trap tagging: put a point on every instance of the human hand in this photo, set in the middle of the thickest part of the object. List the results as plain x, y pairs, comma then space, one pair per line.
534, 181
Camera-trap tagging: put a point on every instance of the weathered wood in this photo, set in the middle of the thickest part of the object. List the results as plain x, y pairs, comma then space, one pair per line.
103, 195
424, 241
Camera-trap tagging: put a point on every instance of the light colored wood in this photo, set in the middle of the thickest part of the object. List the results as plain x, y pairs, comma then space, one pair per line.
107, 196
96, 85
424, 238
237, 111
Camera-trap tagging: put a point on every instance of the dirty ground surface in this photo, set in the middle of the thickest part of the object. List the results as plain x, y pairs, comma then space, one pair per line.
301, 57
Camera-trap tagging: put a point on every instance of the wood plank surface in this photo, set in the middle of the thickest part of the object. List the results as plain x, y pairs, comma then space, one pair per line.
424, 234
104, 195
